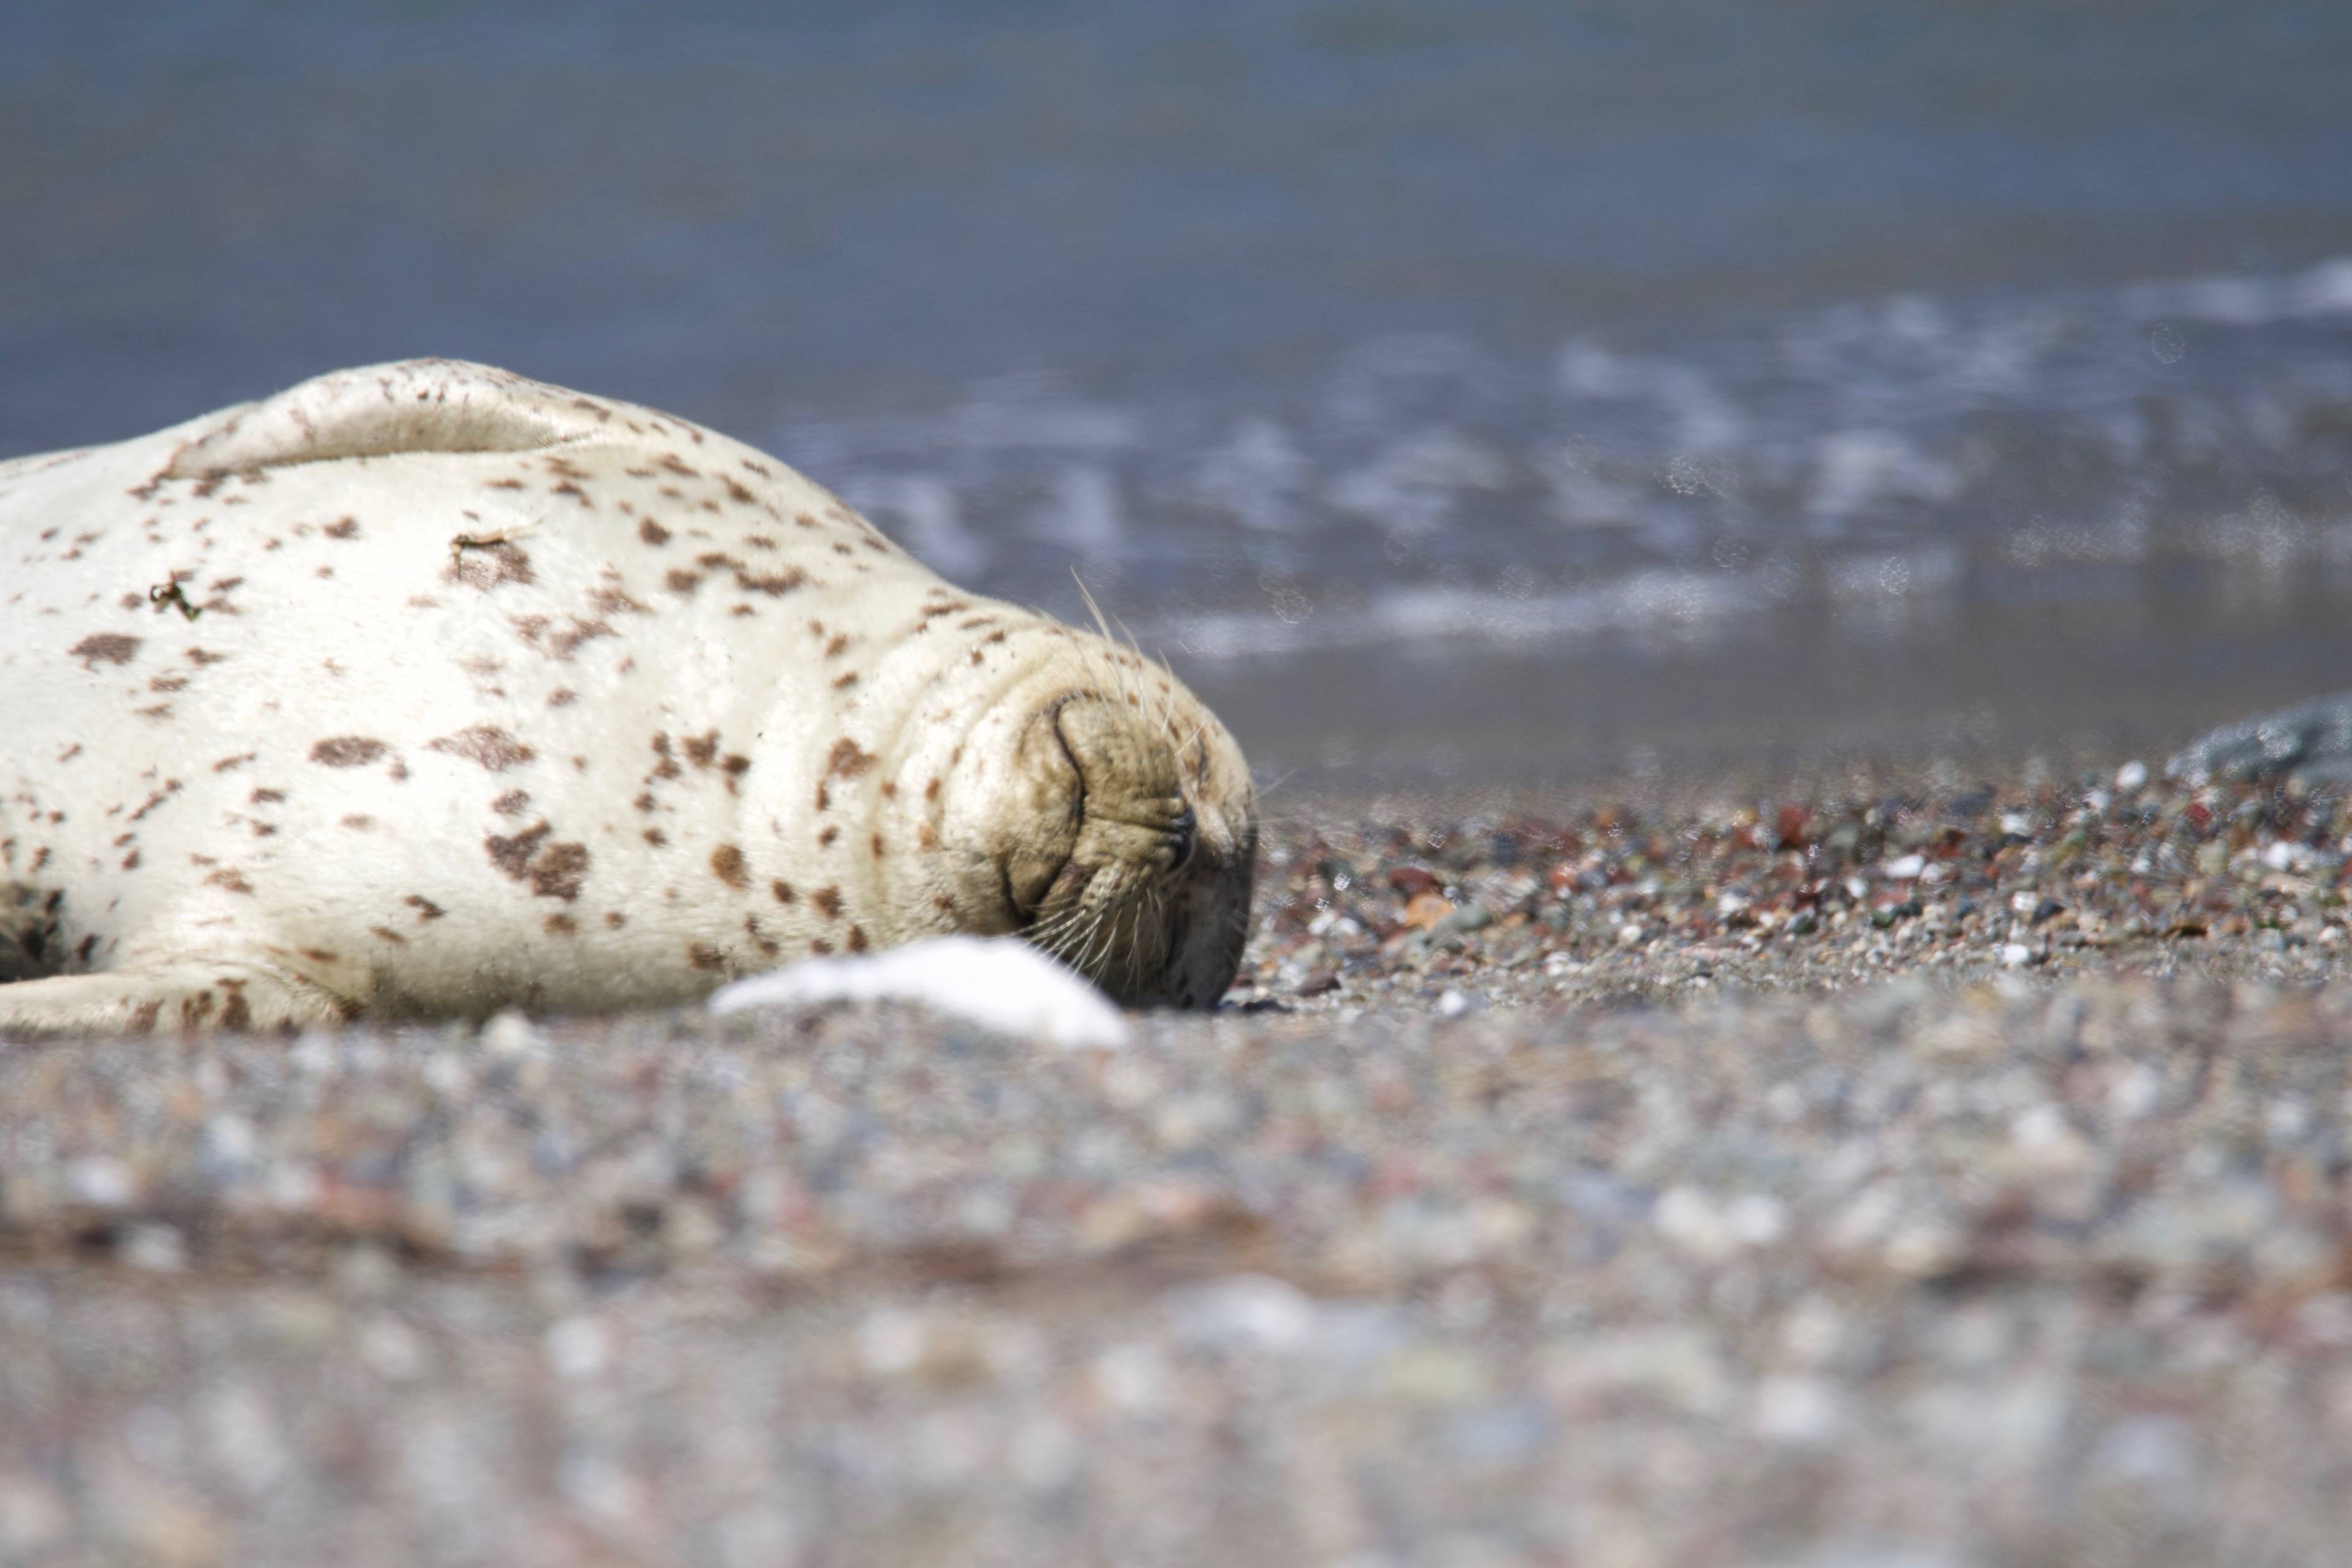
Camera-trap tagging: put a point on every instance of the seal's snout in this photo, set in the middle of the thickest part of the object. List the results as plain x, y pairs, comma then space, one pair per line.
1132, 859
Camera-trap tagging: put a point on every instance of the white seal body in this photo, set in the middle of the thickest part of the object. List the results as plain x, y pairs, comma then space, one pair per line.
427, 690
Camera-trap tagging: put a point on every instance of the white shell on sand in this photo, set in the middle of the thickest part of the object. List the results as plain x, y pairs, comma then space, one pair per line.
998, 982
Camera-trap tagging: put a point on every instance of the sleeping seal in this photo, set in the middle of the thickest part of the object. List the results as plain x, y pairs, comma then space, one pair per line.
425, 690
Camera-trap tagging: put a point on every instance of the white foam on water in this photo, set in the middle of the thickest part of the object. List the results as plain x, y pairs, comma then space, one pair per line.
1415, 487
998, 982
1884, 455
1661, 603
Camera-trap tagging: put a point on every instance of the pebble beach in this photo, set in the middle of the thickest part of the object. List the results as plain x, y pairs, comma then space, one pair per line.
1877, 1171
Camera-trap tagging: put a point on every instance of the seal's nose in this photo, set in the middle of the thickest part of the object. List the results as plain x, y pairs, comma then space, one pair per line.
1182, 834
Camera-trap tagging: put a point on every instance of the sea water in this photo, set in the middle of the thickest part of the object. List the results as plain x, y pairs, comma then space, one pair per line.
1453, 391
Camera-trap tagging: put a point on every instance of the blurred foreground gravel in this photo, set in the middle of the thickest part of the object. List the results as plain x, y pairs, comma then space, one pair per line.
1869, 1243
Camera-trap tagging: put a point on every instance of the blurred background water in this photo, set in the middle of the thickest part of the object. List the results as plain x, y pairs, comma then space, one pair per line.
1453, 390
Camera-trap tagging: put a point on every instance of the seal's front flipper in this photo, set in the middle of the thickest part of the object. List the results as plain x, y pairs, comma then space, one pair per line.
386, 410
186, 993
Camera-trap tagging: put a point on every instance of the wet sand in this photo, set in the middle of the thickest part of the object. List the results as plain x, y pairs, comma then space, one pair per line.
1883, 1171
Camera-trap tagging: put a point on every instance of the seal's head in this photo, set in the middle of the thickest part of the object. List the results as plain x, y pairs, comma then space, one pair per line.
1099, 808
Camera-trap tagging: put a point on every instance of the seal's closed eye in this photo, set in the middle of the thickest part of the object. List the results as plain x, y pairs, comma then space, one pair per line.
1053, 801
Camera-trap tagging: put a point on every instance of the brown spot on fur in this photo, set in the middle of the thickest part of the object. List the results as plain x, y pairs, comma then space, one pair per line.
702, 750
846, 679
767, 945
774, 584
612, 602
653, 532
486, 744
821, 947
168, 683
487, 564
655, 836
162, 710
388, 934
511, 803
553, 870
856, 939
229, 881
349, 751
704, 956
562, 697
563, 643
561, 925
680, 581
170, 787
615, 918
667, 767
727, 864
827, 901
876, 842
267, 796
359, 824
931, 790
201, 656
825, 840
782, 891
131, 861
342, 528
925, 838
235, 1015
840, 640
568, 489
104, 648
846, 761
426, 909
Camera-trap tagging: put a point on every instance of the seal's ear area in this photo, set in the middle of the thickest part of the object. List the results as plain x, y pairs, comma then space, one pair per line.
1041, 832
414, 405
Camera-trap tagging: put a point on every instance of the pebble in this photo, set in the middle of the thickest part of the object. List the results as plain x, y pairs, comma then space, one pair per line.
1803, 1225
